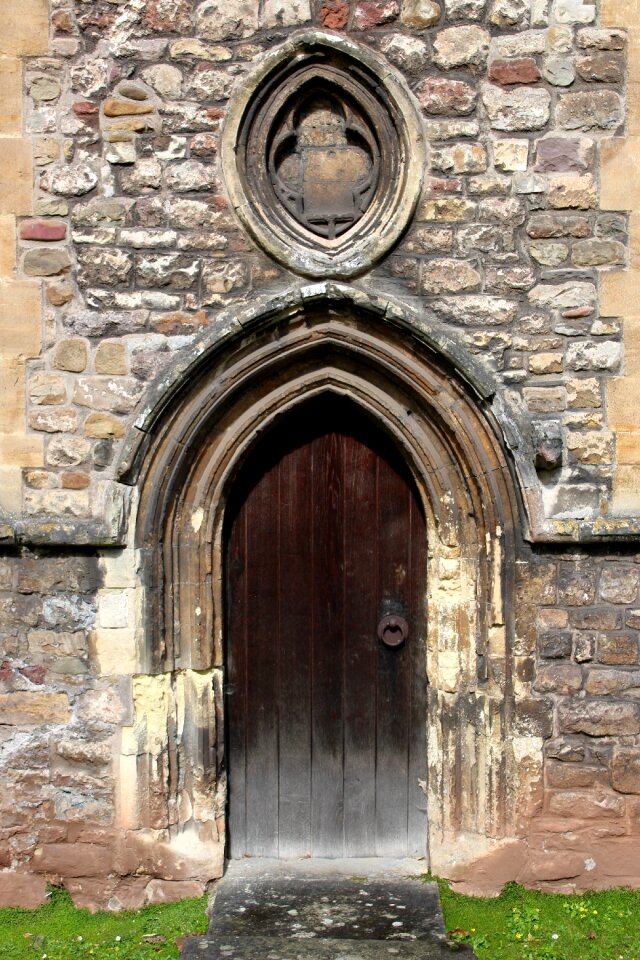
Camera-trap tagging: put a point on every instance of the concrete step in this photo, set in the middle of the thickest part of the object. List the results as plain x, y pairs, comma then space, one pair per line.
315, 911
273, 948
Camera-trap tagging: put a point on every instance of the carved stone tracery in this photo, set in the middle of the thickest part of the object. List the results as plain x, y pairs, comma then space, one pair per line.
323, 154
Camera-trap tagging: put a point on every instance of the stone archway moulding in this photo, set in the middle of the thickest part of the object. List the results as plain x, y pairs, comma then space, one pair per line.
192, 436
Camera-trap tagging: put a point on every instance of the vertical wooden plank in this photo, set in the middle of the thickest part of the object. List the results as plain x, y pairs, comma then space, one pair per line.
393, 694
295, 653
235, 689
262, 686
417, 812
327, 640
360, 660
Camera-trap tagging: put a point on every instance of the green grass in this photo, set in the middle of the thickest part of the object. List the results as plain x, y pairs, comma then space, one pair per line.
519, 925
61, 931
526, 925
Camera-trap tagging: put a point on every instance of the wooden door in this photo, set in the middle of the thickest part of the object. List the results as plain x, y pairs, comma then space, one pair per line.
326, 724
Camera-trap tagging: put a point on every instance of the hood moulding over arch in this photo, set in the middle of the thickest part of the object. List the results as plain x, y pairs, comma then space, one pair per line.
369, 127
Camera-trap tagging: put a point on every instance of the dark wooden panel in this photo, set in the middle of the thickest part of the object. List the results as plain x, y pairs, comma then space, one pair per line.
294, 699
394, 664
360, 662
235, 691
327, 645
261, 721
417, 812
326, 725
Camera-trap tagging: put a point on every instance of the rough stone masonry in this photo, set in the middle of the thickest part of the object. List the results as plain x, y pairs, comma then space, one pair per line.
123, 262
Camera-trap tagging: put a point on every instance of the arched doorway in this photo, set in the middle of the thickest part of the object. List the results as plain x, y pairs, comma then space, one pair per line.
325, 547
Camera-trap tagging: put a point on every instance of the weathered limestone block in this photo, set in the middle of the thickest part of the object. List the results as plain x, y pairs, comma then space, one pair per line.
564, 679
46, 261
71, 355
409, 53
594, 355
70, 181
54, 420
595, 110
449, 276
209, 83
520, 109
599, 718
108, 266
620, 649
420, 14
116, 395
476, 310
167, 270
459, 158
27, 708
464, 9
590, 447
619, 583
466, 46
625, 770
218, 20
585, 806
568, 190
509, 14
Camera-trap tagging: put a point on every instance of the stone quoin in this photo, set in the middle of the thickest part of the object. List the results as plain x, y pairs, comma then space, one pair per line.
417, 225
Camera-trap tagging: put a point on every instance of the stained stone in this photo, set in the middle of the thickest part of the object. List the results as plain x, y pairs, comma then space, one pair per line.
594, 355
510, 155
459, 158
439, 95
45, 151
103, 426
601, 39
99, 211
370, 14
563, 154
54, 421
71, 355
125, 108
549, 254
190, 177
59, 293
107, 266
46, 261
449, 276
602, 67
568, 190
420, 14
597, 253
121, 153
116, 395
506, 72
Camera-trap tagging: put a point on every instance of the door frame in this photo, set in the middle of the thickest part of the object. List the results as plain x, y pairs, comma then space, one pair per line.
453, 447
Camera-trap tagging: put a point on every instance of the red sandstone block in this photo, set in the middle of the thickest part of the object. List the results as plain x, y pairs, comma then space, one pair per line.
73, 859
42, 230
506, 72
21, 890
84, 108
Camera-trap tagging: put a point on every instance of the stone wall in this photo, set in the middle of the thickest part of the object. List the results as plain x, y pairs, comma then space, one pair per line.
122, 259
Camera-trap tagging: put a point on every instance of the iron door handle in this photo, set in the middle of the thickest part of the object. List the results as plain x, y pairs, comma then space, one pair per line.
393, 630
